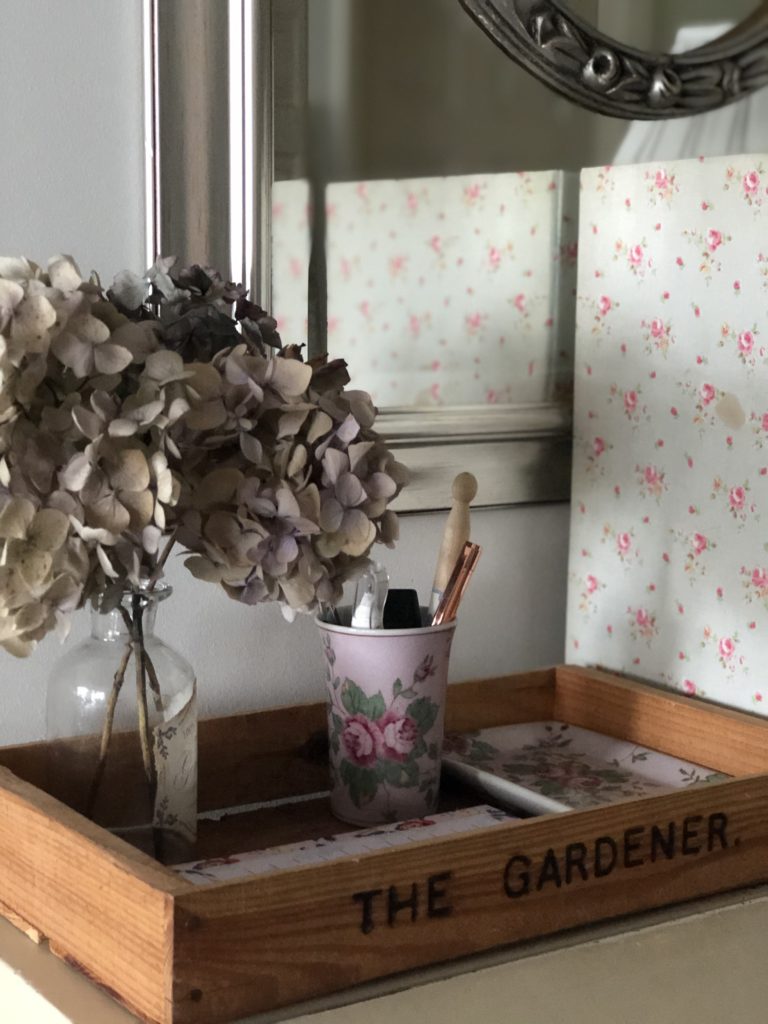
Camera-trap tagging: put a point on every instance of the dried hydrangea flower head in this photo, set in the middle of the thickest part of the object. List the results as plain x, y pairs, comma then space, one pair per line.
157, 411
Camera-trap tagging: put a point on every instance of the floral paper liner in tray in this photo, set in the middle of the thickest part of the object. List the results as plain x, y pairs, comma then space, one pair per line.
346, 844
544, 767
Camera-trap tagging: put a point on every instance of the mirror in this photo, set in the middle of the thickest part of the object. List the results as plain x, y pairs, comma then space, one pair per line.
572, 56
368, 95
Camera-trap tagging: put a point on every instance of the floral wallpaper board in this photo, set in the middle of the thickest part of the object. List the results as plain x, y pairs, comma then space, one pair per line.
668, 569
346, 844
551, 767
455, 290
291, 238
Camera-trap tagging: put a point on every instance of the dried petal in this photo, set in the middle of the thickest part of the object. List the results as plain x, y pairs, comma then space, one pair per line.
88, 423
288, 376
203, 569
207, 415
49, 529
110, 358
129, 471
320, 426
359, 532
349, 490
218, 487
16, 518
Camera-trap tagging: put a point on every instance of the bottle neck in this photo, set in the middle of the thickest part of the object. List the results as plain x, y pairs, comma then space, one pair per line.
133, 618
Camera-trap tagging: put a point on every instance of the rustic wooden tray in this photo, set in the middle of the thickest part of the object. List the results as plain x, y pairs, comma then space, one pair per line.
174, 952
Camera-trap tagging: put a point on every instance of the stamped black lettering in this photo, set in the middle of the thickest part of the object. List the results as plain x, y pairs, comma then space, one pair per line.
691, 834
436, 893
550, 871
575, 858
661, 842
604, 865
367, 898
633, 843
517, 876
716, 827
395, 904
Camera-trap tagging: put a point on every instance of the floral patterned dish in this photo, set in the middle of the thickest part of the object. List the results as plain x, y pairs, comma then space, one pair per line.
544, 767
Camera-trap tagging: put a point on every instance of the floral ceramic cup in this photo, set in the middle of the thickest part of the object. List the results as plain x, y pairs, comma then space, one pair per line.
386, 707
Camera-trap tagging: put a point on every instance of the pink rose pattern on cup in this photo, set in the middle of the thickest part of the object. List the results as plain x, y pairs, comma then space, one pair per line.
669, 557
381, 748
485, 262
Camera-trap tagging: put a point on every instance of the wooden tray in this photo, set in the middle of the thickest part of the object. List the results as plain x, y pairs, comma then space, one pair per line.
174, 952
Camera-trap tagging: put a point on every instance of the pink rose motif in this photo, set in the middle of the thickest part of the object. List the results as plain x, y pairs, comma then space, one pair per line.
651, 475
598, 445
630, 401
397, 735
714, 239
361, 739
604, 305
764, 421
661, 180
746, 342
642, 618
623, 542
689, 687
726, 647
700, 543
519, 303
706, 393
657, 327
591, 584
760, 578
751, 182
635, 255
737, 496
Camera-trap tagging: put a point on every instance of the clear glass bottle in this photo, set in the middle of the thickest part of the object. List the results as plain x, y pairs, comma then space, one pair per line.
122, 729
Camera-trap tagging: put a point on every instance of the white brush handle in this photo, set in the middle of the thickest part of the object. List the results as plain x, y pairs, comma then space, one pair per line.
455, 536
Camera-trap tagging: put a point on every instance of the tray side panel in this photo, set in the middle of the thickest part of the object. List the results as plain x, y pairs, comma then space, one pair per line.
105, 908
256, 945
720, 738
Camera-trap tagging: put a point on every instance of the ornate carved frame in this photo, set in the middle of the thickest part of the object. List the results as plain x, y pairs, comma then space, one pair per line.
589, 68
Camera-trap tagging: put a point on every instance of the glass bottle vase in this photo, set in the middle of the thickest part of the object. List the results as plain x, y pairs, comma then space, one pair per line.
122, 729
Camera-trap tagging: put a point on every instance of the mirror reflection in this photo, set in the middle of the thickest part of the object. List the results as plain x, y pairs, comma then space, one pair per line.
444, 184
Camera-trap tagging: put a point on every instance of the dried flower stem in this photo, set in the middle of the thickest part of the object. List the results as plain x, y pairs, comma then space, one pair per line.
158, 570
141, 697
106, 732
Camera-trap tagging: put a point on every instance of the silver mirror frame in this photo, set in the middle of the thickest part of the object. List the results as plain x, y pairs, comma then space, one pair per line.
209, 174
601, 74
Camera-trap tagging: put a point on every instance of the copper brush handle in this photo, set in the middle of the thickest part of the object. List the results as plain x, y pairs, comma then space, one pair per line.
457, 584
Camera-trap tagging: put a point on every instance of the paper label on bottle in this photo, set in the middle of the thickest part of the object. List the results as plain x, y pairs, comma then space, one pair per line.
175, 755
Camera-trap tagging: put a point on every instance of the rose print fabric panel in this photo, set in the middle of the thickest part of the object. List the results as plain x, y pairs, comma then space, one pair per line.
291, 239
454, 290
668, 562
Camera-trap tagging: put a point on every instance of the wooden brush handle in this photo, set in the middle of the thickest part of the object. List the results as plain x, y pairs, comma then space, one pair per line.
456, 533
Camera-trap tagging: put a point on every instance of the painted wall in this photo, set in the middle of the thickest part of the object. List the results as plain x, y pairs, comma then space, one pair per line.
72, 181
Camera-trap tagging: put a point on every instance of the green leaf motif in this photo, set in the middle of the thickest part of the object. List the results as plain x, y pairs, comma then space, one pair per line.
403, 774
424, 713
361, 781
356, 702
418, 750
397, 688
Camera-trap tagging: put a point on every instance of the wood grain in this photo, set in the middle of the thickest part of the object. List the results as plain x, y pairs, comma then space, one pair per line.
299, 931
720, 738
179, 954
104, 906
264, 755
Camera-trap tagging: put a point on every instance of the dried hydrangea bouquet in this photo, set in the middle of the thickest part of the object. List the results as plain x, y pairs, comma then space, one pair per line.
164, 412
